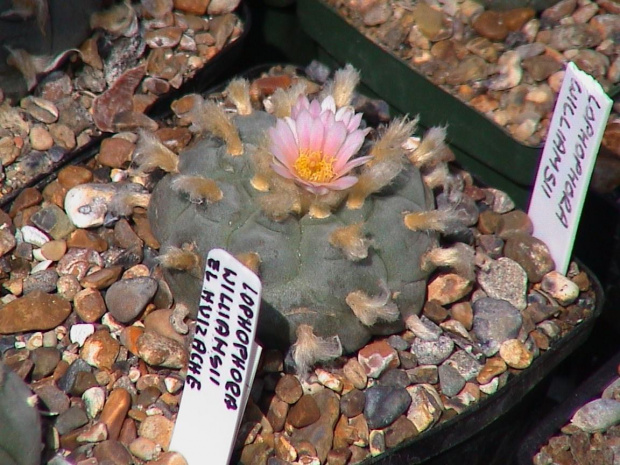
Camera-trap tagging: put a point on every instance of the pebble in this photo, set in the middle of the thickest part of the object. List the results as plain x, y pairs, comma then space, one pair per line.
112, 452
304, 412
54, 250
432, 352
384, 404
70, 419
505, 280
423, 328
51, 398
145, 449
560, 287
450, 380
97, 432
100, 349
34, 236
85, 239
158, 350
377, 357
79, 332
94, 401
102, 278
158, 429
127, 299
597, 415
531, 253
355, 373
44, 281
89, 305
515, 354
37, 311
321, 433
495, 321
159, 321
352, 403
426, 408
87, 204
115, 152
115, 410
45, 360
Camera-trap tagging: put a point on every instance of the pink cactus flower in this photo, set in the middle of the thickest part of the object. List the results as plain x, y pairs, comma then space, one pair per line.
315, 145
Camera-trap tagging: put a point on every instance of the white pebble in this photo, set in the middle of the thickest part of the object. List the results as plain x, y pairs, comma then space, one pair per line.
44, 265
34, 236
560, 287
94, 399
37, 255
80, 332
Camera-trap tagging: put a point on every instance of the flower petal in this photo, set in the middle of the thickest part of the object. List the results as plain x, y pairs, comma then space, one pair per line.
301, 104
315, 109
342, 183
354, 122
354, 163
317, 135
329, 104
303, 123
283, 144
335, 135
283, 171
349, 148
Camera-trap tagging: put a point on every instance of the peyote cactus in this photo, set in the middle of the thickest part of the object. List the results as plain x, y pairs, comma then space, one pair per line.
336, 239
20, 425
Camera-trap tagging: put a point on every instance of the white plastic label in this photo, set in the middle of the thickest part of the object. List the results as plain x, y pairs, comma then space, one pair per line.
567, 161
222, 362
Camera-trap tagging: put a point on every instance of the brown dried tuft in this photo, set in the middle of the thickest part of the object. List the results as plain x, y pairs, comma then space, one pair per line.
350, 239
198, 189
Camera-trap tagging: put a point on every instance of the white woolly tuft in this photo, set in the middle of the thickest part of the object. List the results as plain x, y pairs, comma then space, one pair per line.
123, 203
351, 241
369, 309
283, 100
198, 189
310, 349
151, 154
208, 116
343, 85
238, 92
433, 220
460, 258
432, 148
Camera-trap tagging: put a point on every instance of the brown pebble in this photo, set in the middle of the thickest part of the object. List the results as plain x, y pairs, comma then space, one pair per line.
89, 305
289, 389
128, 432
377, 357
100, 349
515, 354
196, 7
37, 311
129, 338
112, 452
143, 230
516, 221
490, 24
102, 278
84, 239
158, 350
540, 339
115, 152
26, 198
448, 288
71, 176
304, 412
159, 321
175, 138
434, 312
55, 194
169, 458
355, 373
115, 410
54, 250
488, 222
40, 138
493, 367
158, 429
277, 413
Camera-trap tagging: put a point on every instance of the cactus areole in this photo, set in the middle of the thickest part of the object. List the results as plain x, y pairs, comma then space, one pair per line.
315, 206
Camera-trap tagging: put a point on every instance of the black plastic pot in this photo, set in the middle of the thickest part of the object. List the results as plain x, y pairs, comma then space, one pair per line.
551, 424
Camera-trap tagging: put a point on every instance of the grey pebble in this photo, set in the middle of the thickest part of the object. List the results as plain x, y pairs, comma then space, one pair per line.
70, 420
450, 380
384, 404
432, 352
127, 298
495, 321
395, 377
505, 279
67, 380
466, 365
44, 281
597, 415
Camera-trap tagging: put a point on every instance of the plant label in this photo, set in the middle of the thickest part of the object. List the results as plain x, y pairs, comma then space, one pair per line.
567, 161
222, 362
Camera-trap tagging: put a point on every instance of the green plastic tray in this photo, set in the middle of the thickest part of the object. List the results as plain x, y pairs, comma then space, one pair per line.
480, 145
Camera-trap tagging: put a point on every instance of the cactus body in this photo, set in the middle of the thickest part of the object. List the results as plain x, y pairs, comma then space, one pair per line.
305, 279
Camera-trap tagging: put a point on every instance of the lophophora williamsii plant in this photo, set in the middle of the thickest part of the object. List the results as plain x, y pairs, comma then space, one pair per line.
335, 217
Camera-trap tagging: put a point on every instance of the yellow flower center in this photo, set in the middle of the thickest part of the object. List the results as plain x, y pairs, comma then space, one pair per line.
312, 166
